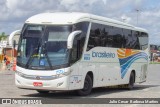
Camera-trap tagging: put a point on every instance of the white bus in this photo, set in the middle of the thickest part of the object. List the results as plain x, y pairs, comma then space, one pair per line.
79, 51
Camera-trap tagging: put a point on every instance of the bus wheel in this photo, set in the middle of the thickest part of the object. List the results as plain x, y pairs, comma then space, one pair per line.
42, 92
87, 88
131, 81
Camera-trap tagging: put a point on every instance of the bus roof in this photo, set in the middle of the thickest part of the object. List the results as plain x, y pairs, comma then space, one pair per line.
63, 18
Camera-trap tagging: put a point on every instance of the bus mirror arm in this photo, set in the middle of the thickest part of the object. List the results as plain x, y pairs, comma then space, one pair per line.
14, 44
71, 38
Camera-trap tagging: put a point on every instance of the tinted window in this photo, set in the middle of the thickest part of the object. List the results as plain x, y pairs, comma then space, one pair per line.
136, 44
109, 36
105, 36
131, 40
83, 26
128, 38
95, 36
143, 40
116, 35
79, 40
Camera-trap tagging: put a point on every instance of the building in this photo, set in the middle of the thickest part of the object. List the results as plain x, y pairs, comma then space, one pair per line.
155, 53
7, 46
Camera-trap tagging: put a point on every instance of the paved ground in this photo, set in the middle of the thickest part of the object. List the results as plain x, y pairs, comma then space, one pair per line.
149, 89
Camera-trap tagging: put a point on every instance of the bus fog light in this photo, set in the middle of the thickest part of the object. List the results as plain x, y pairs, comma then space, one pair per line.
19, 73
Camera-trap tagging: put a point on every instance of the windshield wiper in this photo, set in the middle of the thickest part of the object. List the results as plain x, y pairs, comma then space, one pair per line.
30, 58
36, 48
45, 52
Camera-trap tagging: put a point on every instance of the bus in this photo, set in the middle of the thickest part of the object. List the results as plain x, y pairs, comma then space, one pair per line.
79, 51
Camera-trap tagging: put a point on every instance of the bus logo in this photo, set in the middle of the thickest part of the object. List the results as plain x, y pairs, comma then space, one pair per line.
38, 78
86, 56
103, 54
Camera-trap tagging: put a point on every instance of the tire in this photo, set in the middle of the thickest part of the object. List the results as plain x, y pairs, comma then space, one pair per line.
42, 92
130, 85
87, 88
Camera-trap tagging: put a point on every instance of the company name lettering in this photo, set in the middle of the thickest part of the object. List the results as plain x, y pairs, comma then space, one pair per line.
103, 55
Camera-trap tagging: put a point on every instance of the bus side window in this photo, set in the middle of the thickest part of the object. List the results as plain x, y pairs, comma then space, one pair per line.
91, 41
95, 36
128, 38
75, 49
136, 44
131, 39
117, 37
143, 40
83, 26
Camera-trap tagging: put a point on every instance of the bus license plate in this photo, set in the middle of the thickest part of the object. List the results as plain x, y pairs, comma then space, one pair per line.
38, 84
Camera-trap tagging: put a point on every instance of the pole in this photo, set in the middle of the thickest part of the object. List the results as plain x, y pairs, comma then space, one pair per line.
137, 15
13, 55
124, 20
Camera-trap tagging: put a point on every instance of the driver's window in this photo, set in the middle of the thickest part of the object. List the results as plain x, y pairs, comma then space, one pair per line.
76, 49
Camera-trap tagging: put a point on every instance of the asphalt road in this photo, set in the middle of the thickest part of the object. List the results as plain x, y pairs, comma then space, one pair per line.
149, 89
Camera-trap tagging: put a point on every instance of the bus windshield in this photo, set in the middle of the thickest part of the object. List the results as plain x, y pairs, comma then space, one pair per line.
43, 47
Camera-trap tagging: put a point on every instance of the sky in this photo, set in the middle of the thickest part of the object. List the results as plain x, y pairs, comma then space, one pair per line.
13, 13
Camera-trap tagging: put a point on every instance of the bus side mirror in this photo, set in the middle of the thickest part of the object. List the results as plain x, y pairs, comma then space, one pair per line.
71, 38
17, 32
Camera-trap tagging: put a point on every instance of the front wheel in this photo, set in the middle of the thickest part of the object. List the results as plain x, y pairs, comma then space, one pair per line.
130, 85
87, 88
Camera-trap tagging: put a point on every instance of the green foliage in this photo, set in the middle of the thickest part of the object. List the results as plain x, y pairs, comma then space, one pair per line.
154, 62
3, 36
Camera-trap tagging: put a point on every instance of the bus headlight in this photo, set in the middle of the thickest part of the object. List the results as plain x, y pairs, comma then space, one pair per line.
61, 73
19, 73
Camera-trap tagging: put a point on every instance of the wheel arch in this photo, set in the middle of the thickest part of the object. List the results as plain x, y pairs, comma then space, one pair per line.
134, 72
90, 73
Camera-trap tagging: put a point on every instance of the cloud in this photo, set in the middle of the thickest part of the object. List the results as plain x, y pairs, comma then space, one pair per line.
125, 18
13, 13
105, 2
4, 10
138, 3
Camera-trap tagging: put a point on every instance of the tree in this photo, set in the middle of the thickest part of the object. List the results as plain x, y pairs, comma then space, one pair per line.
3, 36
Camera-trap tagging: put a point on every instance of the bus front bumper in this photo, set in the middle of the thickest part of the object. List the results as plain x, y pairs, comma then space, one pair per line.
52, 85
